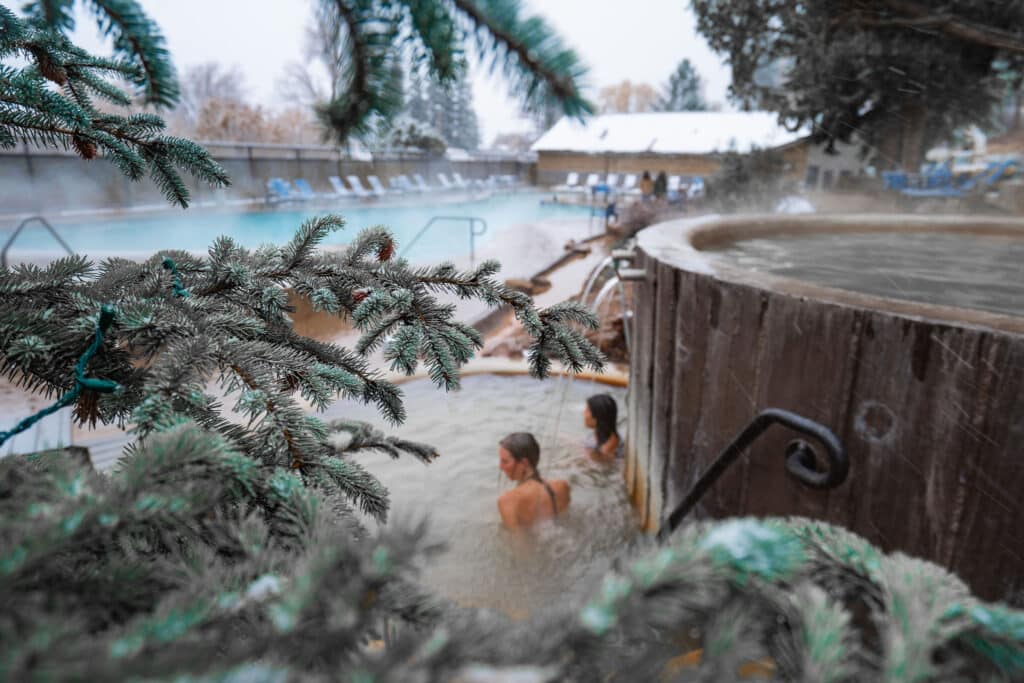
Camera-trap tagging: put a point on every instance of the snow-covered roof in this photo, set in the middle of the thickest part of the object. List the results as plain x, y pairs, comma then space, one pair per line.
697, 132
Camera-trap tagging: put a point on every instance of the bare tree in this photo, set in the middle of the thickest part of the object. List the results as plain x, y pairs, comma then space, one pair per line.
627, 98
206, 82
325, 68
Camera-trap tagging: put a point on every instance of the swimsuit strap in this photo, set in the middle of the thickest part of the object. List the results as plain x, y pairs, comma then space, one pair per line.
547, 487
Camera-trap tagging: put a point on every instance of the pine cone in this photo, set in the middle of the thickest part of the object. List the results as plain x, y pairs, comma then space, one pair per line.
85, 147
49, 69
386, 251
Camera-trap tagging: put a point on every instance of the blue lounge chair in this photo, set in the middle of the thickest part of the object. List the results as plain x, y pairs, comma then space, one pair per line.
982, 182
895, 180
305, 191
280, 190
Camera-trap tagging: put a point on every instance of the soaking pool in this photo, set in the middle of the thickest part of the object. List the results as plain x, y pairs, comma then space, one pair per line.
194, 230
485, 565
902, 334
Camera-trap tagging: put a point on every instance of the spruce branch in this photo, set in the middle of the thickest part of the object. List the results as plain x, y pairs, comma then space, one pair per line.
536, 62
32, 112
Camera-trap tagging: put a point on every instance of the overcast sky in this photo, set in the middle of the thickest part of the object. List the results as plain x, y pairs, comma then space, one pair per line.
639, 40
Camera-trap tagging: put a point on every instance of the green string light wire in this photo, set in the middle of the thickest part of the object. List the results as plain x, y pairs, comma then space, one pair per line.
102, 386
179, 289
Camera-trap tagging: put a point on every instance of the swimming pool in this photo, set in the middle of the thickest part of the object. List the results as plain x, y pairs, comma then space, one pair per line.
195, 231
486, 565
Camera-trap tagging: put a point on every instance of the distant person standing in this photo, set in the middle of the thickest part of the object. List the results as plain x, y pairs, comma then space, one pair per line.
646, 187
661, 185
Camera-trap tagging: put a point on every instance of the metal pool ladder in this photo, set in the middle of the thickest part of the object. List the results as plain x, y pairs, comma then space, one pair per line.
477, 227
21, 226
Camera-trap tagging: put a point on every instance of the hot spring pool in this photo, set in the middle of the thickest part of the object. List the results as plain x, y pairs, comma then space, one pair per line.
484, 564
965, 270
194, 230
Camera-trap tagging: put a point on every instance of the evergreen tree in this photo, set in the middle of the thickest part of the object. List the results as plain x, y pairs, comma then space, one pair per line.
534, 60
683, 90
898, 74
448, 108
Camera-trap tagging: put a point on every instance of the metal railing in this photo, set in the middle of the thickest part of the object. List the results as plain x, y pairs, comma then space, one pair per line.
800, 460
21, 226
473, 222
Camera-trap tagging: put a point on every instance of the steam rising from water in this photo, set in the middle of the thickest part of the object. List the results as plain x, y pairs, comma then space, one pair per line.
979, 272
486, 565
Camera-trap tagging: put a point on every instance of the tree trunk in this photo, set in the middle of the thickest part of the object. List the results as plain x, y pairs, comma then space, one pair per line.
913, 121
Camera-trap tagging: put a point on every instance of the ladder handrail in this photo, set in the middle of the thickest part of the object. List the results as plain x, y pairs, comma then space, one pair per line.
21, 226
473, 233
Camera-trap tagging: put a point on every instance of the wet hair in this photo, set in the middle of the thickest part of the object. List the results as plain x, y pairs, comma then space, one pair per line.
605, 413
522, 446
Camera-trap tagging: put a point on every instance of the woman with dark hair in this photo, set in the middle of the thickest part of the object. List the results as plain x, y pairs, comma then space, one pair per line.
532, 499
601, 415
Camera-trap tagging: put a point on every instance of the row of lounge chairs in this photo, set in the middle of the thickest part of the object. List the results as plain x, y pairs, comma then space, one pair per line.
280, 190
692, 190
938, 182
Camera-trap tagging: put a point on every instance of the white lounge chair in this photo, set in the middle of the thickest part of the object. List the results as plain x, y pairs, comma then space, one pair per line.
403, 183
696, 188
357, 187
612, 181
377, 187
629, 185
674, 182
592, 180
571, 183
459, 181
421, 184
445, 183
339, 187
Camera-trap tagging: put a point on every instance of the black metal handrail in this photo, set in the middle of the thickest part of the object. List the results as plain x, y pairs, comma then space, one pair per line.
473, 233
799, 460
21, 226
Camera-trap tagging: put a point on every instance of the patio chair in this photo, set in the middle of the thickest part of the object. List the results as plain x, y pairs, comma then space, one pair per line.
981, 182
377, 187
895, 180
592, 180
304, 188
629, 185
695, 190
460, 182
421, 184
280, 190
445, 183
403, 183
339, 187
357, 187
571, 183
672, 188
612, 181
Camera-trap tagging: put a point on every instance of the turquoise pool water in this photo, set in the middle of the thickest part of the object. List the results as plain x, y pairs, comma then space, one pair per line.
195, 231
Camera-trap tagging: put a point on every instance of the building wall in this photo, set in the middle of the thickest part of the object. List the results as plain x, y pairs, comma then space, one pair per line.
552, 167
46, 181
831, 171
